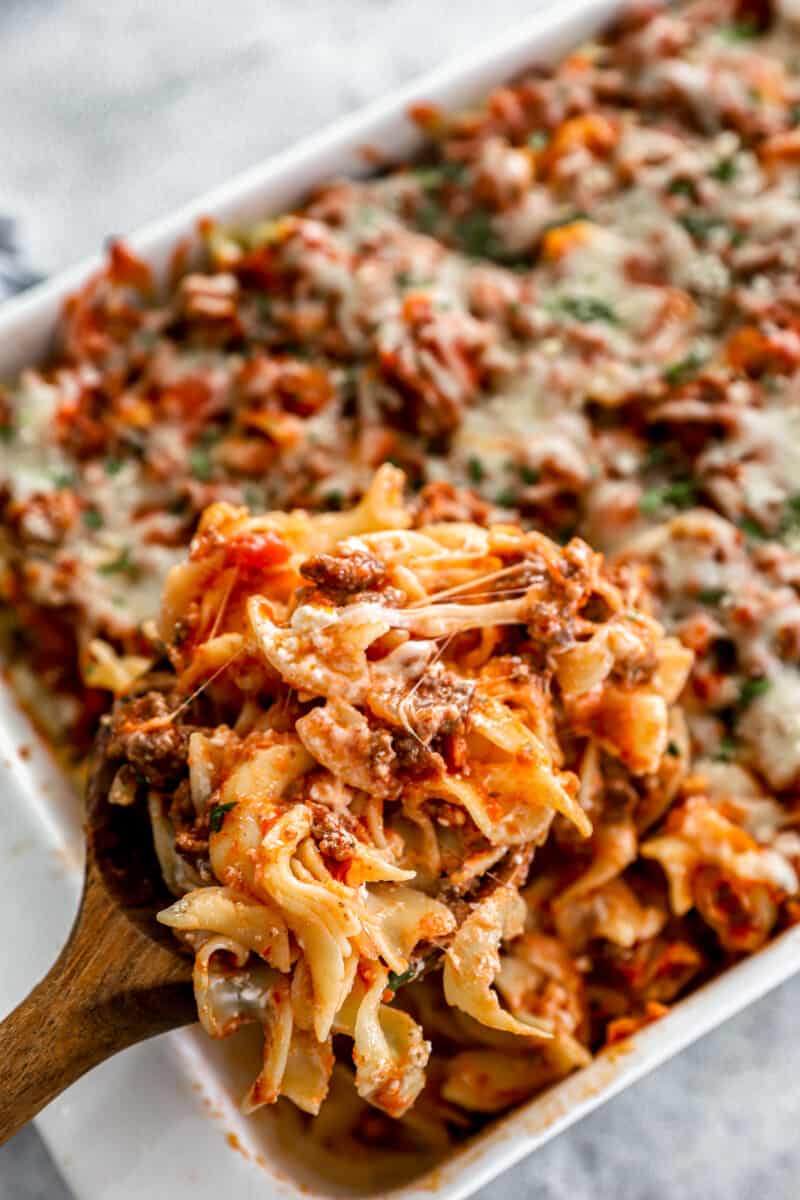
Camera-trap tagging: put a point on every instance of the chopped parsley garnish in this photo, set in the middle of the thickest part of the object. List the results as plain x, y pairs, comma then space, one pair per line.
529, 475
794, 114
428, 214
681, 187
752, 688
92, 519
739, 31
201, 463
120, 565
430, 178
588, 308
264, 307
681, 494
752, 529
253, 497
63, 479
790, 521
678, 372
577, 214
711, 595
397, 981
6, 433
538, 140
656, 456
476, 470
507, 498
217, 815
333, 500
673, 750
113, 466
700, 224
724, 170
477, 236
726, 748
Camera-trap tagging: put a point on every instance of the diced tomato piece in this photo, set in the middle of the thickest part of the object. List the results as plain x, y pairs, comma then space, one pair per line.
258, 550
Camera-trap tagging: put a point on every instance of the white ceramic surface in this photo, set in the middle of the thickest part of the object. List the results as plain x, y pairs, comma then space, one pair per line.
164, 1114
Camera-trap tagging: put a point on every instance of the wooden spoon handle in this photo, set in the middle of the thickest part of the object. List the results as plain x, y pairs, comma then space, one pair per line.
109, 988
45, 1045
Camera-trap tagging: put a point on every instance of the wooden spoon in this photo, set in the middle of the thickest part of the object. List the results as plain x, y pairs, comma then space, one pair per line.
120, 978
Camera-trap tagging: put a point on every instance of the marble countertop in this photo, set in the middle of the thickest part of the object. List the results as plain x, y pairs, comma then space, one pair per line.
113, 113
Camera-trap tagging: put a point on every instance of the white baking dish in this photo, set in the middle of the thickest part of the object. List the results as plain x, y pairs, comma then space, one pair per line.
162, 1119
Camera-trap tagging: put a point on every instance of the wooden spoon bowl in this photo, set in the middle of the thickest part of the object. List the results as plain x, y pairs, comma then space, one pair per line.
121, 977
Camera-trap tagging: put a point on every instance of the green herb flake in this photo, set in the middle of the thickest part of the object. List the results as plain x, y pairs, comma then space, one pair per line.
739, 31
752, 529
711, 595
682, 370
681, 494
92, 519
538, 140
681, 187
575, 214
656, 456
790, 521
113, 466
333, 500
588, 308
726, 748
724, 171
428, 178
529, 475
700, 224
7, 433
253, 497
477, 236
120, 565
476, 470
201, 464
63, 479
751, 689
395, 981
507, 498
217, 815
428, 215
673, 750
